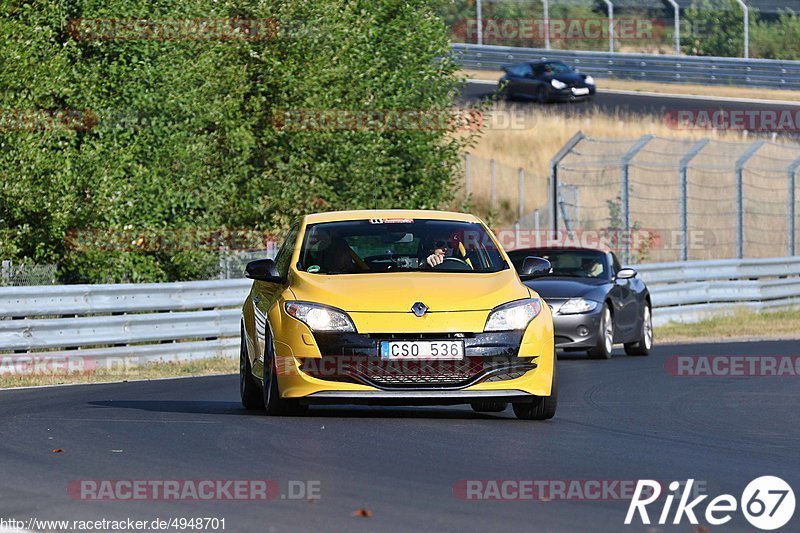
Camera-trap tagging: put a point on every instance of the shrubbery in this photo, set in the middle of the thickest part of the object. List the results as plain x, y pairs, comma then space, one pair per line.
171, 135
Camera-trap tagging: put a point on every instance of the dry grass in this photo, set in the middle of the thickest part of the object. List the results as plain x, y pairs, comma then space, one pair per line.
743, 325
669, 88
155, 370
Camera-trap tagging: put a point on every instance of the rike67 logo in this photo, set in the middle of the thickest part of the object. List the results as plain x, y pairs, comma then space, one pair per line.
767, 503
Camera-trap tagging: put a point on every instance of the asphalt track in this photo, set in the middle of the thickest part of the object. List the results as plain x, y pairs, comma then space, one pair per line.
622, 419
649, 104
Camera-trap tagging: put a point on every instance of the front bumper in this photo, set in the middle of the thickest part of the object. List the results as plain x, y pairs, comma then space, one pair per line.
347, 368
580, 331
568, 94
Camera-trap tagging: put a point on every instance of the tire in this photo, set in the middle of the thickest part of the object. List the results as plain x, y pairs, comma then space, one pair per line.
249, 389
543, 407
605, 342
488, 406
273, 403
645, 342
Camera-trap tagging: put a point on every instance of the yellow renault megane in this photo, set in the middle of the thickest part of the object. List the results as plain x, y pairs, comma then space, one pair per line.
396, 307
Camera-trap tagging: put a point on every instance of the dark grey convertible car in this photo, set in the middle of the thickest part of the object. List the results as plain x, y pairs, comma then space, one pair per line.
596, 303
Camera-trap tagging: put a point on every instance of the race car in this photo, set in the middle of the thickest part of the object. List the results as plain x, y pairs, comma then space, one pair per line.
396, 307
596, 303
546, 81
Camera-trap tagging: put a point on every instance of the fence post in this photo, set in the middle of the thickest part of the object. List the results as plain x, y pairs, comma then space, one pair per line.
566, 149
684, 208
793, 206
746, 11
466, 174
493, 194
742, 161
5, 273
521, 193
625, 189
479, 16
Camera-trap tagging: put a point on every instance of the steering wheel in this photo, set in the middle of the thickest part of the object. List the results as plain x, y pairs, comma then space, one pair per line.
455, 260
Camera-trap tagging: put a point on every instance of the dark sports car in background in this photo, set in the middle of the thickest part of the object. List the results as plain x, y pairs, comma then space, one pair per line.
596, 303
546, 81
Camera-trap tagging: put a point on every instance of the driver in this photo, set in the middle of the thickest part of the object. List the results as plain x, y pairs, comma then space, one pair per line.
440, 252
592, 267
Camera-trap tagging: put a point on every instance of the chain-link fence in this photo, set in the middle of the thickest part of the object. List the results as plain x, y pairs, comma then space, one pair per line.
503, 195
25, 275
673, 200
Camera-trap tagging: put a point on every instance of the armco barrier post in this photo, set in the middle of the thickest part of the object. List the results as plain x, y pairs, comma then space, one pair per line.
684, 204
750, 152
625, 191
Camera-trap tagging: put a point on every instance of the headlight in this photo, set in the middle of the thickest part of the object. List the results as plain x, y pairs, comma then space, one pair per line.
319, 317
513, 316
558, 84
576, 306
589, 80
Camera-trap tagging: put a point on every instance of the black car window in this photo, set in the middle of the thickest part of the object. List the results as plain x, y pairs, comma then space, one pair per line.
538, 70
590, 264
558, 67
520, 71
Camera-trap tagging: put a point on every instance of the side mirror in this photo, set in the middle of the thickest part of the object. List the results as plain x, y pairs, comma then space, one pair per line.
263, 270
535, 267
626, 273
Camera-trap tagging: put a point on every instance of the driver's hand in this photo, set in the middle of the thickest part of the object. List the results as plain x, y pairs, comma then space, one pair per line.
436, 258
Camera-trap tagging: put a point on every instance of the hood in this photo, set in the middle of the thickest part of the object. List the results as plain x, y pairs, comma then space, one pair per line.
398, 291
571, 78
555, 287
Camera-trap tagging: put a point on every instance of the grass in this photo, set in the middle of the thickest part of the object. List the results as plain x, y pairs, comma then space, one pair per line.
742, 325
154, 370
669, 88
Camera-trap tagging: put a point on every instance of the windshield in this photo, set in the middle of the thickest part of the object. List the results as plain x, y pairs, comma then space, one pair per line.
557, 68
398, 245
569, 263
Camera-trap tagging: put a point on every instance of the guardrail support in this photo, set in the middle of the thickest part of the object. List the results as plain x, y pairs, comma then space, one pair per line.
625, 207
684, 207
565, 150
793, 205
750, 152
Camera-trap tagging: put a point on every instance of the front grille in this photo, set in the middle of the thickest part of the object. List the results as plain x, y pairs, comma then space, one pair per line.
412, 374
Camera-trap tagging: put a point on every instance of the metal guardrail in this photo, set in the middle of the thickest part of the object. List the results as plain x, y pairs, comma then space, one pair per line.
195, 320
695, 290
657, 68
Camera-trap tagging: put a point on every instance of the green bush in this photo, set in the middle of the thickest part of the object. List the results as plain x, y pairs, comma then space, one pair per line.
172, 135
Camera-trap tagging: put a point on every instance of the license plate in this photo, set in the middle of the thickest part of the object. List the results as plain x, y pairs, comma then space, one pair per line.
580, 91
417, 350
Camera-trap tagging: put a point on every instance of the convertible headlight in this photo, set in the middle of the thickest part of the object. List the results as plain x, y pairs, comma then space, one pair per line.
319, 317
576, 306
589, 80
558, 84
514, 315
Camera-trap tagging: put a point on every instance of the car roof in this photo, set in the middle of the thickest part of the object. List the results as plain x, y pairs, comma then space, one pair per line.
366, 214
